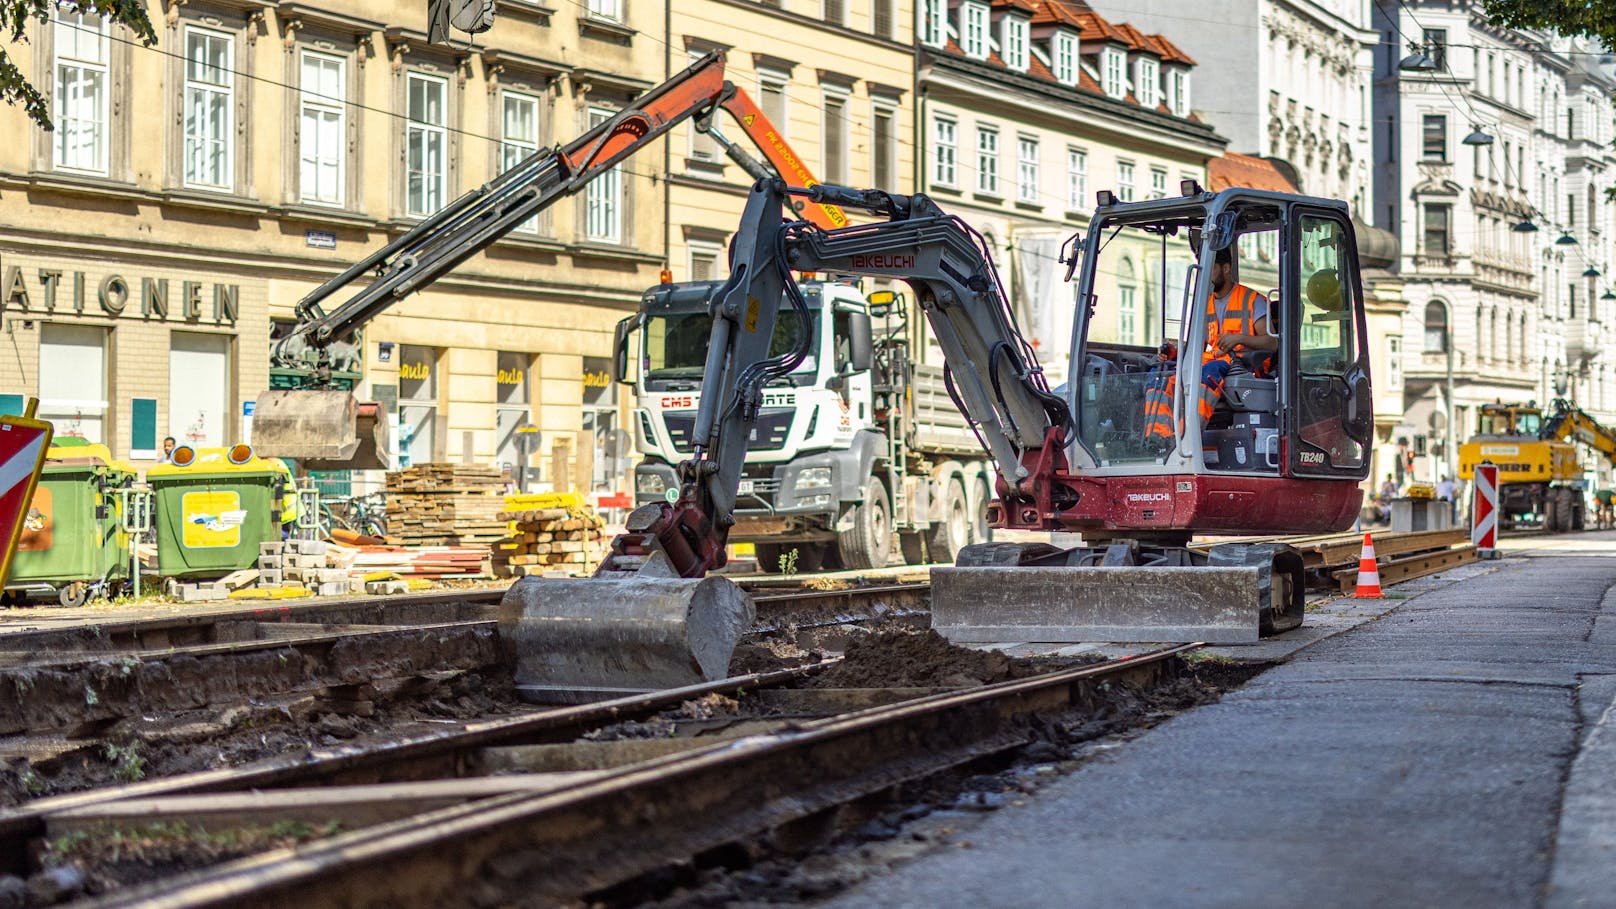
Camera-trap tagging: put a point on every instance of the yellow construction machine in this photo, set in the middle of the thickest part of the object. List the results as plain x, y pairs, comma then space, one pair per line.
1540, 476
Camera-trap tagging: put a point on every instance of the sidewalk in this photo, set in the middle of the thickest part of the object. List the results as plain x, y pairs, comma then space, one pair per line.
1458, 751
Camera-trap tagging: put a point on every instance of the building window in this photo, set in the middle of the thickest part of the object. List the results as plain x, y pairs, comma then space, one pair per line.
1027, 169
199, 389
772, 98
944, 151
1436, 327
418, 404
1147, 85
1436, 44
884, 146
974, 30
1127, 303
1066, 58
704, 259
835, 133
606, 9
1394, 361
933, 22
519, 137
425, 144
81, 92
1077, 179
209, 114
1436, 229
1014, 43
1158, 183
511, 411
1179, 85
883, 18
322, 118
1434, 138
73, 380
603, 198
987, 160
1125, 181
1116, 82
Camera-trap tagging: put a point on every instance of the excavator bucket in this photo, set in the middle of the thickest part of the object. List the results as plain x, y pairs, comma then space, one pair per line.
1243, 593
323, 429
590, 639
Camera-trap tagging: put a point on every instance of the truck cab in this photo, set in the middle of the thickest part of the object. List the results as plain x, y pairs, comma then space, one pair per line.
816, 437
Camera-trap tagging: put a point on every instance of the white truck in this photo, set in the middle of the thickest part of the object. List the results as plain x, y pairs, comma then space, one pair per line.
857, 445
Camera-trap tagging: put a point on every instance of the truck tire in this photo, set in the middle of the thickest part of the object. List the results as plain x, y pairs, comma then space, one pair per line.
951, 531
808, 557
868, 544
768, 557
1567, 507
1551, 515
980, 531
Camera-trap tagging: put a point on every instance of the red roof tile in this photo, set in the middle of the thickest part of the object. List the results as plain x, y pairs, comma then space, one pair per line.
1172, 53
1235, 169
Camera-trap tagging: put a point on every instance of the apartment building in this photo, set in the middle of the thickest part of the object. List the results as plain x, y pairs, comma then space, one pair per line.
192, 192
1029, 107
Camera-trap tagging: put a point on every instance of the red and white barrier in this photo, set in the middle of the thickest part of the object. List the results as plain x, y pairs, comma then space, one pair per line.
23, 442
1484, 511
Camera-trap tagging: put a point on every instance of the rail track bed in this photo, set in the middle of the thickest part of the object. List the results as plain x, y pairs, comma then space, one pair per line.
601, 799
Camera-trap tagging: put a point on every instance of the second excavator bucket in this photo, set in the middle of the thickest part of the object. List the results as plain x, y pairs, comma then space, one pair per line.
1242, 593
322, 428
587, 639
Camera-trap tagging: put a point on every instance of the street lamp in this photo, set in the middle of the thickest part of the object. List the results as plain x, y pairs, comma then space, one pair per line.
1417, 62
1477, 137
1566, 240
1525, 227
1590, 272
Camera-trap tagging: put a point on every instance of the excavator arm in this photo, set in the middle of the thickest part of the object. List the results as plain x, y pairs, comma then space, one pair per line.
994, 375
1568, 421
323, 426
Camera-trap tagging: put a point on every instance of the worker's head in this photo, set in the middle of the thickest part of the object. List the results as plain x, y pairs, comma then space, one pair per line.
1324, 289
1223, 269
168, 445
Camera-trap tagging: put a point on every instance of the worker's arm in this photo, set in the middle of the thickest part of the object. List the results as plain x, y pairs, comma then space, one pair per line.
1261, 340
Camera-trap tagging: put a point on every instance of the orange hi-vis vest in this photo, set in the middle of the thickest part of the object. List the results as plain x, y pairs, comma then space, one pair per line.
1159, 405
1236, 319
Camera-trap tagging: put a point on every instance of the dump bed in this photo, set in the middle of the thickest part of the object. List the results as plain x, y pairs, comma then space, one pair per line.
936, 425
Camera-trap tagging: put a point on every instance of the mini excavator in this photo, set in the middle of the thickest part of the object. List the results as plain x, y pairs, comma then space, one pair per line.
1282, 450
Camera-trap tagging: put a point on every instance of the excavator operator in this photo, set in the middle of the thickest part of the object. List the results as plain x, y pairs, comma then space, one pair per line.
1236, 331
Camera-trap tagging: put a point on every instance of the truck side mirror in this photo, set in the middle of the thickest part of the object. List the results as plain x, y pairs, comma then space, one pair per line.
862, 352
620, 358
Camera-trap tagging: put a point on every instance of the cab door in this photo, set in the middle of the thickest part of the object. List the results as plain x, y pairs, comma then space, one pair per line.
1324, 384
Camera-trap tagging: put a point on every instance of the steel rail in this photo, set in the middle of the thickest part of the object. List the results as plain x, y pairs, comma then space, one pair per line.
551, 847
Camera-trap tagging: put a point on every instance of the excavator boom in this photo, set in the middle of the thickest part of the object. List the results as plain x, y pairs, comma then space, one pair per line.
328, 429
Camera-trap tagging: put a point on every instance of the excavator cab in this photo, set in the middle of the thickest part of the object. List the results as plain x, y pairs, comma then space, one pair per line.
1223, 336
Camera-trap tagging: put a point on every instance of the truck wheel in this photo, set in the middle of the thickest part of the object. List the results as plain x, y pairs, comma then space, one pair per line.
768, 557
1551, 515
73, 594
913, 546
1566, 506
869, 543
951, 532
980, 531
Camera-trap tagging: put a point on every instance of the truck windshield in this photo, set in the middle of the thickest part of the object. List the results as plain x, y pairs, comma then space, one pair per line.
675, 345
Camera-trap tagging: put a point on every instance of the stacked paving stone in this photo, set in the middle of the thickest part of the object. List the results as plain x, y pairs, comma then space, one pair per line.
445, 504
300, 563
548, 539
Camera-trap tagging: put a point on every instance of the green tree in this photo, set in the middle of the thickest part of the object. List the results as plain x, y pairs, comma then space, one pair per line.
18, 15
1587, 18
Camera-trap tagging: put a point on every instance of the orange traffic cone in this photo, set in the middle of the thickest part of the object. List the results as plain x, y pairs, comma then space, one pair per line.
1368, 572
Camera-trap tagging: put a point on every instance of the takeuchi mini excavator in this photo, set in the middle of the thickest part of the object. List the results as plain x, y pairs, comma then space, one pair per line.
1271, 440
322, 425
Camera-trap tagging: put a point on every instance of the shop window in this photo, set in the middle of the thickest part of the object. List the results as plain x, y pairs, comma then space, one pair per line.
73, 380
612, 449
512, 410
199, 389
418, 404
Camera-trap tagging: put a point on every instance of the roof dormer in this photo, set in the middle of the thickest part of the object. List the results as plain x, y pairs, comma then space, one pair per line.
1147, 80
973, 29
1113, 65
1015, 39
1065, 56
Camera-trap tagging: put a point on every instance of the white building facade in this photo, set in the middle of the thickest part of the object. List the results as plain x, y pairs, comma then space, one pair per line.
1505, 244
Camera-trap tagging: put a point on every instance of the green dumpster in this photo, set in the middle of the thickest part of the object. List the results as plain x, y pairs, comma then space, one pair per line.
212, 507
72, 540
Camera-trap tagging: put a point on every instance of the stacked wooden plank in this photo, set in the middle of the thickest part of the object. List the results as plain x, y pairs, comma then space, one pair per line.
427, 562
549, 539
445, 504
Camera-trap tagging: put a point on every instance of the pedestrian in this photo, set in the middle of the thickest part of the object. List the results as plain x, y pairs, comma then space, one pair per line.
1444, 491
168, 451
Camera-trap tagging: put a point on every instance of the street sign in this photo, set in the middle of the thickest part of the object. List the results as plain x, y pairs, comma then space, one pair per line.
23, 441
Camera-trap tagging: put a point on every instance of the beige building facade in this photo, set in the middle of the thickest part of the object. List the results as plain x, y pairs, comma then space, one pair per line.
192, 192
837, 80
